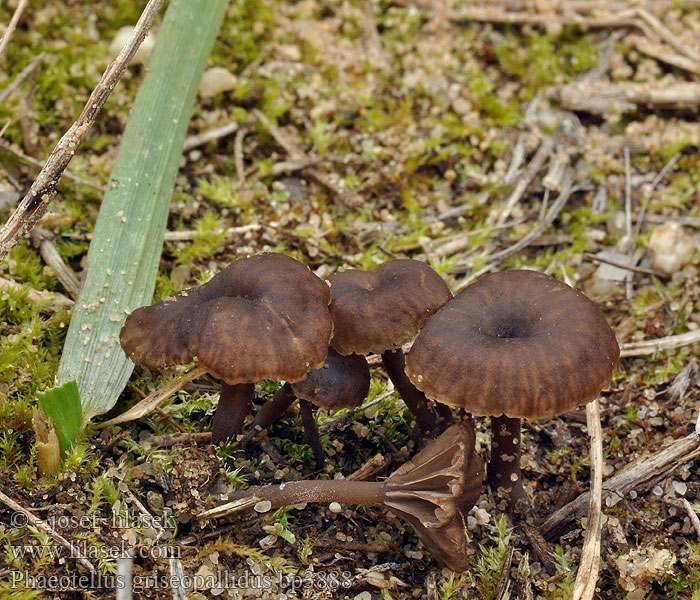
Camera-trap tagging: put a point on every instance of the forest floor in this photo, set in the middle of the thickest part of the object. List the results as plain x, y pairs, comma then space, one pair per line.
560, 136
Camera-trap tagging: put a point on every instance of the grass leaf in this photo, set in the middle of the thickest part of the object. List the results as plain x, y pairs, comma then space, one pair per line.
128, 237
62, 406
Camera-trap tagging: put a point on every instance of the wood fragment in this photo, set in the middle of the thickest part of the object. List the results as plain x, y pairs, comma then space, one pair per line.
348, 198
170, 440
53, 302
601, 97
153, 400
29, 518
10, 149
539, 546
587, 576
5, 39
23, 75
210, 135
640, 475
370, 468
43, 190
670, 342
69, 280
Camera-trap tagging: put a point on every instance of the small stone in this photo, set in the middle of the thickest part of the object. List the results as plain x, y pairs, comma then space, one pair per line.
670, 247
680, 487
120, 39
263, 506
334, 507
215, 81
482, 517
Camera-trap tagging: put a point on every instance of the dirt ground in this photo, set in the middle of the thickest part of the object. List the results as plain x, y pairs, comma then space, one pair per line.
559, 135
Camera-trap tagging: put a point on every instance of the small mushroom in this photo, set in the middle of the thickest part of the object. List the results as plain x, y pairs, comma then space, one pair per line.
514, 344
342, 382
382, 310
263, 317
432, 492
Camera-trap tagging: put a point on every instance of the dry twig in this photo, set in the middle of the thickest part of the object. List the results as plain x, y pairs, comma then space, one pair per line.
642, 474
210, 135
43, 190
21, 5
153, 400
24, 74
30, 519
53, 259
53, 301
587, 576
670, 342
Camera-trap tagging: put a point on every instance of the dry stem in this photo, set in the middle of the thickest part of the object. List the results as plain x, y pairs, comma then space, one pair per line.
43, 190
587, 576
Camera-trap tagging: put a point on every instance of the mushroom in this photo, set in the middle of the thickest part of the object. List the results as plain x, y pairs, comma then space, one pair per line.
380, 311
432, 492
342, 382
516, 344
263, 317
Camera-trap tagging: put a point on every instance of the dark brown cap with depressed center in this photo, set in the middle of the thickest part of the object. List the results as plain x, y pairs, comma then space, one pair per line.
263, 317
384, 309
516, 343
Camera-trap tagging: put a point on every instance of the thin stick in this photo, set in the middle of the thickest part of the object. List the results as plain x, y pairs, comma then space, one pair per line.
649, 191
211, 135
639, 475
238, 156
532, 235
12, 25
53, 259
168, 440
587, 576
153, 400
55, 301
350, 415
35, 203
29, 518
4, 146
22, 77
620, 265
665, 343
692, 515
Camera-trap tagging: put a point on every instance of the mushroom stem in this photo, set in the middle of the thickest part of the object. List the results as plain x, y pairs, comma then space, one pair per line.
504, 467
307, 420
234, 406
367, 493
415, 399
269, 412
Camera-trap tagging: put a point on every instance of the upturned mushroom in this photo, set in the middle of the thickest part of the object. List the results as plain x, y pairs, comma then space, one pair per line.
263, 317
379, 311
432, 492
342, 382
516, 344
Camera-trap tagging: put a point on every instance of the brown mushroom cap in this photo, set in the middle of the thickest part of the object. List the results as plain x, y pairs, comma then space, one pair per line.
515, 343
342, 382
381, 310
263, 317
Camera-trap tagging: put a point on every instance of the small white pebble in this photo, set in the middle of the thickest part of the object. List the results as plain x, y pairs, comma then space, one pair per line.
334, 507
657, 491
680, 487
482, 517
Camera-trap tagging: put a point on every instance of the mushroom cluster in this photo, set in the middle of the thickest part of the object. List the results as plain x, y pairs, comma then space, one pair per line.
516, 344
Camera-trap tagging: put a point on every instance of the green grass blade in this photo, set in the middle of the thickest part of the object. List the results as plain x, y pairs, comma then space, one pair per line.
128, 237
62, 405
